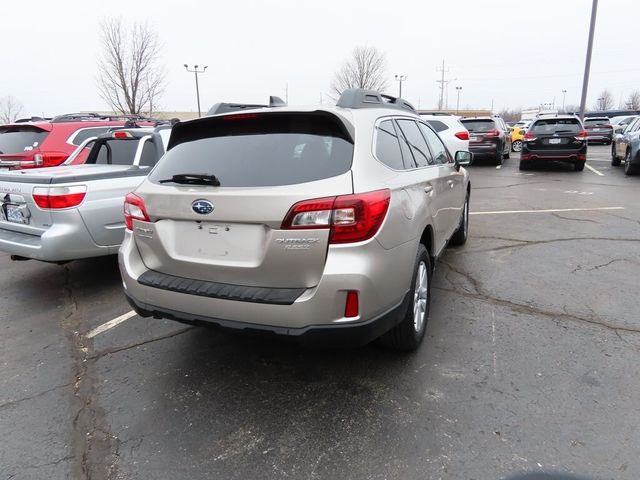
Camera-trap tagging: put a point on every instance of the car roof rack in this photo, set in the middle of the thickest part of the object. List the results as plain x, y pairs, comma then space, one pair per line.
363, 98
223, 107
31, 119
92, 116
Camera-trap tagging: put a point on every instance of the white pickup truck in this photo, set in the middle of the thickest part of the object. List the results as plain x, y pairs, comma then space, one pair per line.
70, 212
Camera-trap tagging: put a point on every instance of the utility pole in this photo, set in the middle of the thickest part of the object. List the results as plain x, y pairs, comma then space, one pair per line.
459, 89
196, 72
442, 70
492, 105
564, 96
400, 79
587, 63
286, 93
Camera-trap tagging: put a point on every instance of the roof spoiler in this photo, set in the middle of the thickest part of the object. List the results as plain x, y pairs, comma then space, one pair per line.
363, 98
223, 107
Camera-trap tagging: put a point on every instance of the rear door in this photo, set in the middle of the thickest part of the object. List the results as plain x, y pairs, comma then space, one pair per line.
265, 163
481, 131
557, 134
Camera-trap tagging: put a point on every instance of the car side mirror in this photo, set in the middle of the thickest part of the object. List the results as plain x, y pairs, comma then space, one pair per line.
463, 158
619, 129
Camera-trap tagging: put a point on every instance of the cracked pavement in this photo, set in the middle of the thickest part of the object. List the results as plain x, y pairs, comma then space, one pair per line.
529, 364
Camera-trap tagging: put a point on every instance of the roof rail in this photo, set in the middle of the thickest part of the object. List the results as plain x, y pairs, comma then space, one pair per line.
31, 119
89, 116
223, 107
363, 98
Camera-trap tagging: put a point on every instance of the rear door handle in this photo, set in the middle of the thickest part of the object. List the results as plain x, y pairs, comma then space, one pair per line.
428, 189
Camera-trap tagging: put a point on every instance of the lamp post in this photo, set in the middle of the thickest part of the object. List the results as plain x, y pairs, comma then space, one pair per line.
400, 79
195, 71
458, 89
587, 63
564, 96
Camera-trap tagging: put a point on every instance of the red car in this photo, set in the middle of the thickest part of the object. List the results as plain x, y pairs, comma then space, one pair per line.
39, 142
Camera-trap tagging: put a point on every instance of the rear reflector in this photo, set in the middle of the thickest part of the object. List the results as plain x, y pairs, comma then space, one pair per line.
134, 209
351, 218
351, 308
54, 198
462, 135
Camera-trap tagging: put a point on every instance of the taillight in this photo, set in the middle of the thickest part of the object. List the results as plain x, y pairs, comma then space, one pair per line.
134, 209
49, 159
55, 198
464, 135
351, 218
529, 137
582, 135
493, 133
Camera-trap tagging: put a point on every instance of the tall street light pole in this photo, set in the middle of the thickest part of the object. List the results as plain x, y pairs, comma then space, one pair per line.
400, 79
196, 72
587, 64
459, 89
564, 96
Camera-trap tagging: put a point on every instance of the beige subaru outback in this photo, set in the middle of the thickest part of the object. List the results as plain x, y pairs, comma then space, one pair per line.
317, 223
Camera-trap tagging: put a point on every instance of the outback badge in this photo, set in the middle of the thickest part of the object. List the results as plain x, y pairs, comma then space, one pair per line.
202, 207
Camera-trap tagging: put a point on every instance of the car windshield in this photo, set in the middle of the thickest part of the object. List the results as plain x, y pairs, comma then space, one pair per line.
552, 126
479, 125
20, 139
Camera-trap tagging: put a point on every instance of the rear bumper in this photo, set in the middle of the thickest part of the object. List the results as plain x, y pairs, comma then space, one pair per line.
59, 243
381, 277
485, 149
599, 137
573, 155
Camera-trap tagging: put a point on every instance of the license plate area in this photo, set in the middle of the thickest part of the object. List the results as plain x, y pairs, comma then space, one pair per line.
473, 138
15, 213
555, 141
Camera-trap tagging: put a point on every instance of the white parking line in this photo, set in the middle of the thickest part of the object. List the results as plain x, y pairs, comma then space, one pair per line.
594, 170
551, 210
110, 324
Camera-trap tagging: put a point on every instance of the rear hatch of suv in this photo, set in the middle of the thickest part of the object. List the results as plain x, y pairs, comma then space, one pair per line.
555, 134
227, 227
481, 131
19, 143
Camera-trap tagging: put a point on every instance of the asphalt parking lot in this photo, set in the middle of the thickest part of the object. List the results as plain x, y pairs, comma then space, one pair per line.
529, 364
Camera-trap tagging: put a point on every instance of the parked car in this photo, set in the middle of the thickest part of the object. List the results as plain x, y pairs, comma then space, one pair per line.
448, 127
316, 223
599, 129
620, 122
555, 138
517, 134
488, 137
622, 141
69, 212
39, 142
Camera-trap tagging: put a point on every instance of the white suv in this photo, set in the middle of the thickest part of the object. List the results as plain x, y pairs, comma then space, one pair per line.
452, 132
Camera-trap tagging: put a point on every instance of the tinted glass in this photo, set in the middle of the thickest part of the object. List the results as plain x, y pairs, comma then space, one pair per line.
258, 150
551, 126
437, 125
83, 134
387, 145
440, 154
417, 143
478, 125
149, 155
20, 139
117, 152
596, 121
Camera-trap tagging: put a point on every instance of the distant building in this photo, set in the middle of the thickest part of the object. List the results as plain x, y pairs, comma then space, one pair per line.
459, 113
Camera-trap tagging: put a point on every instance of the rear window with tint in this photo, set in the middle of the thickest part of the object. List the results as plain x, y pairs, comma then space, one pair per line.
20, 139
259, 150
552, 126
596, 121
478, 125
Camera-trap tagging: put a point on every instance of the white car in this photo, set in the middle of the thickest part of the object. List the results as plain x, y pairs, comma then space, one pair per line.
454, 135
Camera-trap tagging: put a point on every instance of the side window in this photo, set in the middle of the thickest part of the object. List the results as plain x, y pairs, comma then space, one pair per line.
416, 141
103, 155
149, 155
437, 125
636, 125
440, 153
85, 133
387, 145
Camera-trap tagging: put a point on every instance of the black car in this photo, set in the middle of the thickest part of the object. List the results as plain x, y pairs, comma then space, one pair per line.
559, 138
599, 129
489, 137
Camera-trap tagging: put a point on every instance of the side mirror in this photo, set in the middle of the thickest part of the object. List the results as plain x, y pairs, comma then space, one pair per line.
619, 129
463, 158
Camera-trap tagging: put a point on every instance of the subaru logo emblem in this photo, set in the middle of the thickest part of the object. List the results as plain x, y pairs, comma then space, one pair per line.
202, 207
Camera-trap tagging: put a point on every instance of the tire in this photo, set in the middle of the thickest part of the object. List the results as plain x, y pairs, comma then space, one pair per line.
629, 168
615, 160
459, 237
408, 334
578, 167
516, 146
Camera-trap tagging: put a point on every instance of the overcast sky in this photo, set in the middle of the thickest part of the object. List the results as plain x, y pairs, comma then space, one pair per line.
514, 53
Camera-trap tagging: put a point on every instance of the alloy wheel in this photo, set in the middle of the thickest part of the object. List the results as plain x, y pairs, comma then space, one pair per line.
420, 297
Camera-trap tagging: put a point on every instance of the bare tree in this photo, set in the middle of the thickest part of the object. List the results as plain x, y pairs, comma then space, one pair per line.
633, 100
605, 100
10, 109
510, 116
367, 68
130, 79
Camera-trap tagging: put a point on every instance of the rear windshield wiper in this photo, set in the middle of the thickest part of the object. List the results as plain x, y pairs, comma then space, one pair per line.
193, 179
